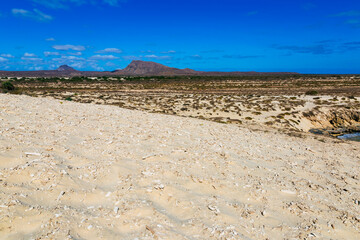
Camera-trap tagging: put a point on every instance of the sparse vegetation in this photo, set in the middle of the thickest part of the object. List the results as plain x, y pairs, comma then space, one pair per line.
270, 100
7, 86
311, 93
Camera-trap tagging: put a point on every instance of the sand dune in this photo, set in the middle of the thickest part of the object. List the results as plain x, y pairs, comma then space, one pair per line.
84, 171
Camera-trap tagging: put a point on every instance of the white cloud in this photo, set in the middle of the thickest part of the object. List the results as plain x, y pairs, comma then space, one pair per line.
19, 11
2, 59
157, 57
77, 65
29, 55
69, 47
65, 3
96, 67
353, 13
76, 53
196, 56
110, 64
170, 51
103, 57
36, 68
6, 55
112, 2
71, 58
51, 54
110, 50
147, 51
35, 14
31, 59
131, 58
50, 39
42, 16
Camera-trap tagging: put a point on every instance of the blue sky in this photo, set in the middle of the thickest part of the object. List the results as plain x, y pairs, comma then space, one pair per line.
314, 36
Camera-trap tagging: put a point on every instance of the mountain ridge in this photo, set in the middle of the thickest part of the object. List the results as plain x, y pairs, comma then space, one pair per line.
135, 68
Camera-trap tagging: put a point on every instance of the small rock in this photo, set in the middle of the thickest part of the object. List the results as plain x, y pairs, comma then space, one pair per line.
60, 196
116, 210
33, 154
214, 209
288, 192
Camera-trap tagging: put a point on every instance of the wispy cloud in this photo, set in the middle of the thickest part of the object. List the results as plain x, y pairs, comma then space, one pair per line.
131, 57
147, 51
322, 47
352, 13
6, 55
319, 49
72, 61
72, 58
29, 55
47, 53
169, 52
110, 50
35, 68
114, 2
152, 56
2, 59
239, 56
75, 53
31, 59
50, 39
353, 23
35, 14
196, 57
96, 67
65, 3
103, 57
51, 54
69, 47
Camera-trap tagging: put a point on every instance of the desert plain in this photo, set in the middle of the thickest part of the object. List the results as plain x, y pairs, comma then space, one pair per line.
122, 161
85, 171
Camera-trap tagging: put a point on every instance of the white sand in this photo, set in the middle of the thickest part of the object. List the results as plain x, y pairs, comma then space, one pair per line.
83, 171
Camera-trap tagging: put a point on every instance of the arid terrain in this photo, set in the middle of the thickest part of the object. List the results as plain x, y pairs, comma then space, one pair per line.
84, 171
293, 103
204, 158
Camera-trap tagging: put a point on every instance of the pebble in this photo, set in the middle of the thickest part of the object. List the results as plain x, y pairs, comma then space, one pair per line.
116, 210
288, 192
32, 153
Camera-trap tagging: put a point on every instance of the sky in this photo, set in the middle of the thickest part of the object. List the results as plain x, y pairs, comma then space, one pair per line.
306, 36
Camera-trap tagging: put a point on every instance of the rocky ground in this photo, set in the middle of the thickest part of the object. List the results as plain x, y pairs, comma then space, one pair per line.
86, 171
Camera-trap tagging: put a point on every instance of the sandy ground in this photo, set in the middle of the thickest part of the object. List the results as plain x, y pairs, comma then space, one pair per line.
83, 171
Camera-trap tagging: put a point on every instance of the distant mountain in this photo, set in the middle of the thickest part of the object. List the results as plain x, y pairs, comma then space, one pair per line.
152, 68
66, 68
135, 68
142, 68
62, 71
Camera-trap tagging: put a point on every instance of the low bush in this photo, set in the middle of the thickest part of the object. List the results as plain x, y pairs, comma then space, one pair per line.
311, 92
7, 86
